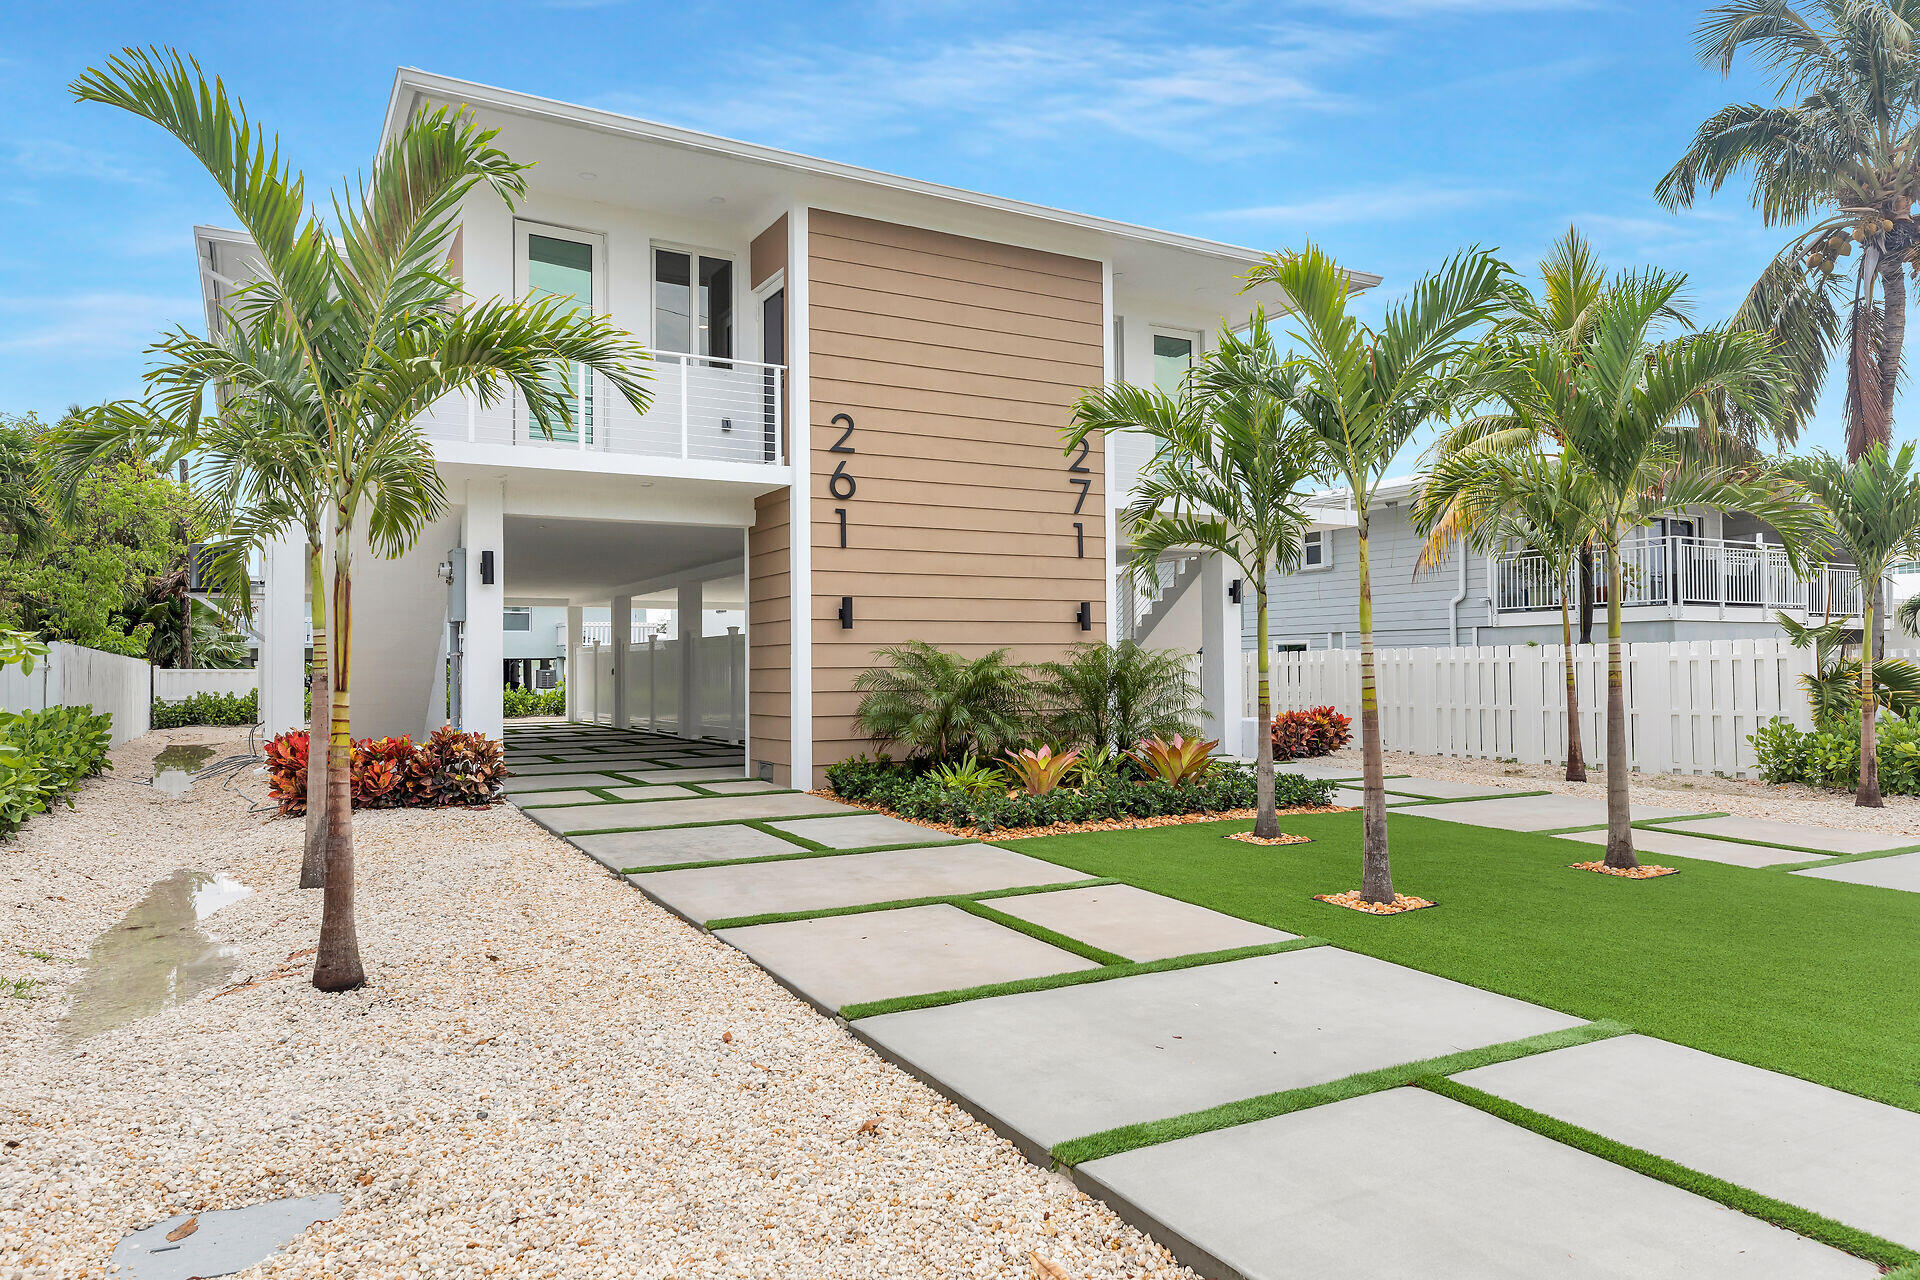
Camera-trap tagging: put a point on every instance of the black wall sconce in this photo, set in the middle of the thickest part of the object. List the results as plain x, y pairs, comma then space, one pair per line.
486, 568
1085, 616
1233, 591
846, 613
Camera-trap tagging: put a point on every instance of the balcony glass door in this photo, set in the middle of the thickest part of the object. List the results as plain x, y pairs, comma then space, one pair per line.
564, 265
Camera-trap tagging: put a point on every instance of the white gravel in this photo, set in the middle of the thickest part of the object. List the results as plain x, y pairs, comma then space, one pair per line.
1748, 799
547, 1075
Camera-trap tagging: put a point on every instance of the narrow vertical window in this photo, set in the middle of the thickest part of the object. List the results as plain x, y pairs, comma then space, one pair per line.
559, 268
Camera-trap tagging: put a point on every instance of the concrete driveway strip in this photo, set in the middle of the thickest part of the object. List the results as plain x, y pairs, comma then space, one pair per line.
1407, 1185
1661, 842
878, 955
1798, 835
1847, 1157
863, 831
1537, 813
847, 880
624, 850
1046, 1066
1902, 871
1137, 923
672, 813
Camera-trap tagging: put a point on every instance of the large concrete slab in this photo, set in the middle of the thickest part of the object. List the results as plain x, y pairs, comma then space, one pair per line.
1316, 769
549, 769
1798, 835
534, 799
817, 884
653, 791
708, 773
1445, 789
1354, 797
877, 955
736, 786
1669, 844
1053, 1065
1901, 871
1137, 923
1537, 813
863, 831
670, 813
623, 850
1406, 1184
560, 782
1847, 1157
620, 761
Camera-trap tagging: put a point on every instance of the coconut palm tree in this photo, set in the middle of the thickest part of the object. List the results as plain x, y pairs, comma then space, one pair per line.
1231, 459
1630, 411
1837, 147
1541, 502
1869, 508
377, 333
1363, 394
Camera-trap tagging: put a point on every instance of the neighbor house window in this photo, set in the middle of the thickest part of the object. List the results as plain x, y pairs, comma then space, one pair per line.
692, 303
516, 620
1313, 550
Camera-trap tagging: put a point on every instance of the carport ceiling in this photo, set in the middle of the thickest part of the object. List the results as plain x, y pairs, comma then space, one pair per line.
585, 559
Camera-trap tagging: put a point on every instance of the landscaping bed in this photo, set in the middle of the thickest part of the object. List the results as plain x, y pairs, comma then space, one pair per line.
1076, 828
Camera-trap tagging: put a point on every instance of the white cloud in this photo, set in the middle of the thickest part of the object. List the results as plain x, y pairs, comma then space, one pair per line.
1389, 202
89, 325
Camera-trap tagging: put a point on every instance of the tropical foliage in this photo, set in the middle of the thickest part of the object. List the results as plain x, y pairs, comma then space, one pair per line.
1038, 771
208, 708
1113, 695
1177, 762
1833, 686
449, 768
940, 706
44, 755
1830, 758
1303, 735
517, 703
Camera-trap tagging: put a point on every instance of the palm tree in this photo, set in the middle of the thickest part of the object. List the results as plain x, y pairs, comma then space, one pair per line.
1364, 392
1838, 146
1630, 413
940, 705
355, 331
1869, 508
1539, 501
1231, 458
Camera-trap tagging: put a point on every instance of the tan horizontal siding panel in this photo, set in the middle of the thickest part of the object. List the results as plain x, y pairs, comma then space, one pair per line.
851, 396
945, 333
1042, 362
973, 581
917, 267
942, 518
957, 315
980, 634
1019, 483
1059, 395
879, 431
847, 284
1035, 497
869, 542
946, 244
1031, 449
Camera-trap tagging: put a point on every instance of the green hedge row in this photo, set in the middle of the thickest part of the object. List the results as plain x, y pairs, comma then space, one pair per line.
208, 708
533, 702
923, 797
1831, 758
43, 757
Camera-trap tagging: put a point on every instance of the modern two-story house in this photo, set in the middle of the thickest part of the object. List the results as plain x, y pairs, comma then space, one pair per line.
859, 385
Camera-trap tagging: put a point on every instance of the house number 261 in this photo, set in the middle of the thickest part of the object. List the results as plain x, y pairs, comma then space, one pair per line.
840, 485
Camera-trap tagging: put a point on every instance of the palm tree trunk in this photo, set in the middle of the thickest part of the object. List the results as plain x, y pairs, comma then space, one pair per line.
1868, 422
337, 967
1376, 868
1893, 331
313, 861
1868, 797
1266, 823
1586, 593
1576, 758
1619, 808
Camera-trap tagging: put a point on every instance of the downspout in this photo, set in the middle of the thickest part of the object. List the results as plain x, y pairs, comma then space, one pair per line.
1459, 596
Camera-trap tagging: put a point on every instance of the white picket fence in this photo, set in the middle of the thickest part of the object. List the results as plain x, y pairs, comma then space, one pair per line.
71, 676
171, 684
653, 686
1690, 706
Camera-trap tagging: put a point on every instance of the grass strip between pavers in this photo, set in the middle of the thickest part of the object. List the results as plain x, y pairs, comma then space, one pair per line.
1804, 1222
896, 904
1417, 801
1151, 1133
1040, 933
1072, 978
798, 853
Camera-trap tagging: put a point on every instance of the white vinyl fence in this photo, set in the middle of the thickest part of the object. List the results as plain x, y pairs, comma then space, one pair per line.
73, 676
654, 676
1690, 706
172, 684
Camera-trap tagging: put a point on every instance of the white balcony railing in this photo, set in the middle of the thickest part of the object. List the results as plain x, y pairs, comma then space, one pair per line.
1682, 571
703, 410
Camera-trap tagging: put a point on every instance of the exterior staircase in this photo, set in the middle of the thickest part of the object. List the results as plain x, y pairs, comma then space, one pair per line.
1145, 606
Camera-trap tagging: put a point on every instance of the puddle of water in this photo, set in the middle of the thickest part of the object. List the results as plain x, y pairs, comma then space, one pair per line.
156, 956
222, 1241
173, 769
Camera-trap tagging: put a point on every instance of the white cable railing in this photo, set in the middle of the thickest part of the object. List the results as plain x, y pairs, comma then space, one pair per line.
1680, 571
703, 409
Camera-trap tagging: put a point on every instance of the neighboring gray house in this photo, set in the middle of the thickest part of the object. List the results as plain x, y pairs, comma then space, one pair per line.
1711, 576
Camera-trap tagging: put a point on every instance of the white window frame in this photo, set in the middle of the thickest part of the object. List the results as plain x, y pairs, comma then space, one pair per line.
741, 294
757, 297
1194, 337
1325, 544
601, 304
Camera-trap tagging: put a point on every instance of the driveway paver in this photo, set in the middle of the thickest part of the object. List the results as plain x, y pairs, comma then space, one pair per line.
1409, 1185
1901, 871
1537, 813
1059, 1064
863, 831
1656, 840
1798, 835
1442, 789
1137, 923
560, 782
848, 880
668, 813
877, 955
1847, 1157
622, 850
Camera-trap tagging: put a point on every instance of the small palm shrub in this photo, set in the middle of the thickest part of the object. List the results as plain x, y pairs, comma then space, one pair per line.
208, 708
44, 755
1180, 761
1317, 731
941, 706
969, 776
1040, 772
1113, 695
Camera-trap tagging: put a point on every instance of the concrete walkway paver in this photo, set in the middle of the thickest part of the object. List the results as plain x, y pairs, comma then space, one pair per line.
1847, 1157
624, 850
878, 955
847, 880
1536, 813
560, 782
863, 831
1442, 789
1059, 1064
1407, 1185
1137, 923
1798, 835
669, 813
1901, 871
1665, 843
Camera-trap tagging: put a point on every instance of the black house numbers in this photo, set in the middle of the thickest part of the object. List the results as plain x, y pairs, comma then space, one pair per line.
840, 485
1079, 475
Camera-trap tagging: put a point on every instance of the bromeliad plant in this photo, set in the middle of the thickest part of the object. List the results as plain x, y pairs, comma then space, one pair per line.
1040, 772
1180, 762
969, 776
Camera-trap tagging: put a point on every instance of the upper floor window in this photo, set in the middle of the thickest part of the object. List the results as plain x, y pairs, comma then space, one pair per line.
1172, 357
1313, 550
692, 303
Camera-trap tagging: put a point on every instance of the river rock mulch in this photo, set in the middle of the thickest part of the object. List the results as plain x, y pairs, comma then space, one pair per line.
546, 1076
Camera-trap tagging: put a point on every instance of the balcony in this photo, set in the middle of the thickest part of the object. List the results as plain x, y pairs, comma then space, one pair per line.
1682, 576
703, 410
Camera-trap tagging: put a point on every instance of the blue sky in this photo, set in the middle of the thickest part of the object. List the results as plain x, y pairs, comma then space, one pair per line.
1393, 131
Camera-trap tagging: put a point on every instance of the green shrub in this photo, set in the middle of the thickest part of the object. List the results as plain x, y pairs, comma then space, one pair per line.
919, 795
516, 703
1831, 757
43, 757
208, 708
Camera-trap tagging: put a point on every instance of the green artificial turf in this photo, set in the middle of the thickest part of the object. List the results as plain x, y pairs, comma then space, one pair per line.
1810, 977
1129, 1137
1804, 1222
